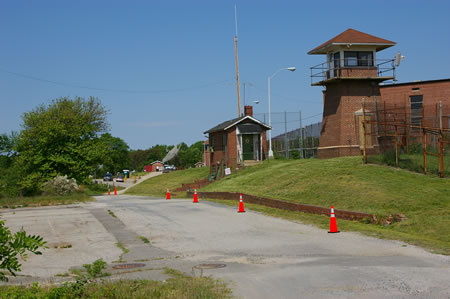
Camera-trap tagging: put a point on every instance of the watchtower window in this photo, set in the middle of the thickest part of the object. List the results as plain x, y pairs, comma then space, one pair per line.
358, 58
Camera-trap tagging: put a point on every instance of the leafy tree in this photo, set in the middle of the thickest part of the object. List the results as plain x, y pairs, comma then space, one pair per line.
199, 146
116, 158
7, 149
16, 245
157, 153
61, 138
8, 143
138, 158
188, 156
9, 176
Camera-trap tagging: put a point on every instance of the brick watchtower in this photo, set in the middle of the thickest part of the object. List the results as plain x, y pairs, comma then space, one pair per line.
352, 72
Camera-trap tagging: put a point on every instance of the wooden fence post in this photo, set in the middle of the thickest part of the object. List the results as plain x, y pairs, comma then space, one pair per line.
364, 131
441, 156
406, 130
385, 120
396, 147
396, 135
424, 140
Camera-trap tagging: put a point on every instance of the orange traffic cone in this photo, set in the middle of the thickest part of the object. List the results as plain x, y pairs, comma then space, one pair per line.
333, 225
195, 196
109, 191
168, 194
241, 205
115, 190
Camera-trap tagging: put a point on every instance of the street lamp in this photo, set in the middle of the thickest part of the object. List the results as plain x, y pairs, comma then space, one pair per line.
292, 69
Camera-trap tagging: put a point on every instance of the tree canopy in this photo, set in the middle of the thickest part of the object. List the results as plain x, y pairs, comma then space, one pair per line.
116, 158
61, 138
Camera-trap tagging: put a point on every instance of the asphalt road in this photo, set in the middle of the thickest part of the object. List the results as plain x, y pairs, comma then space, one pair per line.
266, 257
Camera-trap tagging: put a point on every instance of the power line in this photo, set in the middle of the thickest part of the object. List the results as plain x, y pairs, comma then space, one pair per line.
290, 98
303, 118
113, 90
262, 91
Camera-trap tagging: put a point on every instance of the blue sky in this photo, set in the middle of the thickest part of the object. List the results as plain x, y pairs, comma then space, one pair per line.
165, 69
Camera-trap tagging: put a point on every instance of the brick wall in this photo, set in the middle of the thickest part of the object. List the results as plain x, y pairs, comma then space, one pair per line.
232, 148
160, 166
217, 152
432, 92
229, 155
340, 124
358, 72
265, 145
206, 155
226, 153
284, 205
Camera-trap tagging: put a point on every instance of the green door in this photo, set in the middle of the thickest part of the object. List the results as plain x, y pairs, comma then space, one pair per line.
247, 140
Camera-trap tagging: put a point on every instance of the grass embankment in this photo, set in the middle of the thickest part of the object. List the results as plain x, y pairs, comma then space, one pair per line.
178, 286
157, 186
413, 162
99, 189
348, 184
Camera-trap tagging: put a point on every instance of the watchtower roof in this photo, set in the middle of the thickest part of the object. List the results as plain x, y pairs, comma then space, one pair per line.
353, 37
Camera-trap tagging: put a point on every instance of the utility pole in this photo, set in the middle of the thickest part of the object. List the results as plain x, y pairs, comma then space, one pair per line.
244, 84
237, 65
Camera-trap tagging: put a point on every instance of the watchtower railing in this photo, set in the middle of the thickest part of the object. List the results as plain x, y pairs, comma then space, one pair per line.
352, 68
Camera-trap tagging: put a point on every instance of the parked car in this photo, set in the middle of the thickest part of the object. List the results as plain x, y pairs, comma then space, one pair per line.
170, 167
119, 179
108, 177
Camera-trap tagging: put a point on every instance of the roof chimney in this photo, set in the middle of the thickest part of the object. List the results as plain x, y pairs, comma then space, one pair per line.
248, 110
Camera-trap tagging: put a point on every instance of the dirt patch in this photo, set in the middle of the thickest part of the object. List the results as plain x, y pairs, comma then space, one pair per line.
59, 245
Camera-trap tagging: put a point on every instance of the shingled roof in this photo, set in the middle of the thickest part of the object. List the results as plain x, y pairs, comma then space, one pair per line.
229, 123
354, 37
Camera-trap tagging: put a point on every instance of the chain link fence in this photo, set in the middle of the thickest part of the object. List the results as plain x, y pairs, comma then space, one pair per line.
293, 136
411, 136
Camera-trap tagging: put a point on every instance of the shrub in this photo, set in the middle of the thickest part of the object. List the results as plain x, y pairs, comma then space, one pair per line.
14, 248
60, 185
95, 269
388, 158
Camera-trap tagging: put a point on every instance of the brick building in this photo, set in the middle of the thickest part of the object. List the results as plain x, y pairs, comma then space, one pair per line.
417, 94
351, 74
206, 156
157, 166
237, 141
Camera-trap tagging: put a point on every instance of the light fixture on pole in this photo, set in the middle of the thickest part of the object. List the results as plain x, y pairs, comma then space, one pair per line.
292, 69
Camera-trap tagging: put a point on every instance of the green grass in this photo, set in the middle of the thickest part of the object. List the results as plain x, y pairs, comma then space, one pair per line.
50, 200
112, 213
348, 184
413, 162
144, 239
124, 251
99, 189
177, 286
86, 191
157, 186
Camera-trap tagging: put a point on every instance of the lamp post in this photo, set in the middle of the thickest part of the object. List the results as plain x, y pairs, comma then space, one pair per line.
292, 69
